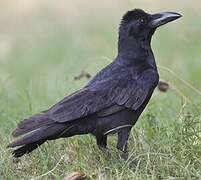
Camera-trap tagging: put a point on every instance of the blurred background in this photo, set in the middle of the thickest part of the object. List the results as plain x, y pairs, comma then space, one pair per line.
46, 44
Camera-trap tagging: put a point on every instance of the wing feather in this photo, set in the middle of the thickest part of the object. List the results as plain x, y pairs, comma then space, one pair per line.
130, 93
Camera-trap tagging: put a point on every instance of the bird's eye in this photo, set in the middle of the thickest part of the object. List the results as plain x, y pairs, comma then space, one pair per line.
142, 20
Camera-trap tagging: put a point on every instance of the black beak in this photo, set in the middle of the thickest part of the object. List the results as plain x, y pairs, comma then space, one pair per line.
163, 18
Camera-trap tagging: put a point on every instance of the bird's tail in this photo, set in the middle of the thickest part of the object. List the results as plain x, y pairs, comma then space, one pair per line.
33, 132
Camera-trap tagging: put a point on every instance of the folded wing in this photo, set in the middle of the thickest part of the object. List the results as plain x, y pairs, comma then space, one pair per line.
112, 94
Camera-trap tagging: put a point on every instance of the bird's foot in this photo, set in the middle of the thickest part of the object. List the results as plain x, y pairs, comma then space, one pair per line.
124, 155
105, 150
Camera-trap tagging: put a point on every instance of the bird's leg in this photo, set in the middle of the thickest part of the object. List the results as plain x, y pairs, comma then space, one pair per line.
101, 141
122, 141
102, 144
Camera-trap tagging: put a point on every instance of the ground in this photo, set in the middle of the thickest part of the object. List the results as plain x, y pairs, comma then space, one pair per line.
43, 46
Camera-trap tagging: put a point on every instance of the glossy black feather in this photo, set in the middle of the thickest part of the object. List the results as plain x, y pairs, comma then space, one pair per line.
111, 102
121, 88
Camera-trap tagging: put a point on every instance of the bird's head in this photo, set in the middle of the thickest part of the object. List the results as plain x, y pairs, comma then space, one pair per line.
139, 24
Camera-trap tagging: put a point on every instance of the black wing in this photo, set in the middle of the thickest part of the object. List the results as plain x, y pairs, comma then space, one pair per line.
78, 105
125, 92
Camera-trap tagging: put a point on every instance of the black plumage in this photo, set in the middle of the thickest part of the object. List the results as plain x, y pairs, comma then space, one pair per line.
112, 101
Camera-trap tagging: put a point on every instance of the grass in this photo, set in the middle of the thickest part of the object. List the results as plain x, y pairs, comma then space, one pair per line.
38, 67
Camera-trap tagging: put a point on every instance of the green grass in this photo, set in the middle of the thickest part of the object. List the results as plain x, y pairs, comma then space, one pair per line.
39, 69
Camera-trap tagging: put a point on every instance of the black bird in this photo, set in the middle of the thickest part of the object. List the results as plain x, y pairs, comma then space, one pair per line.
112, 101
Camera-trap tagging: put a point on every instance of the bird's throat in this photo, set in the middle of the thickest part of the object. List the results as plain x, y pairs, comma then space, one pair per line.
135, 51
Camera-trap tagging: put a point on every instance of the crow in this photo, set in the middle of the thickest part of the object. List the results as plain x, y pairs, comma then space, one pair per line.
112, 101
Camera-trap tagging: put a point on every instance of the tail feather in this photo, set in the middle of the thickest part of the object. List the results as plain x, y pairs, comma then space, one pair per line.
31, 124
35, 131
28, 138
46, 132
27, 148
